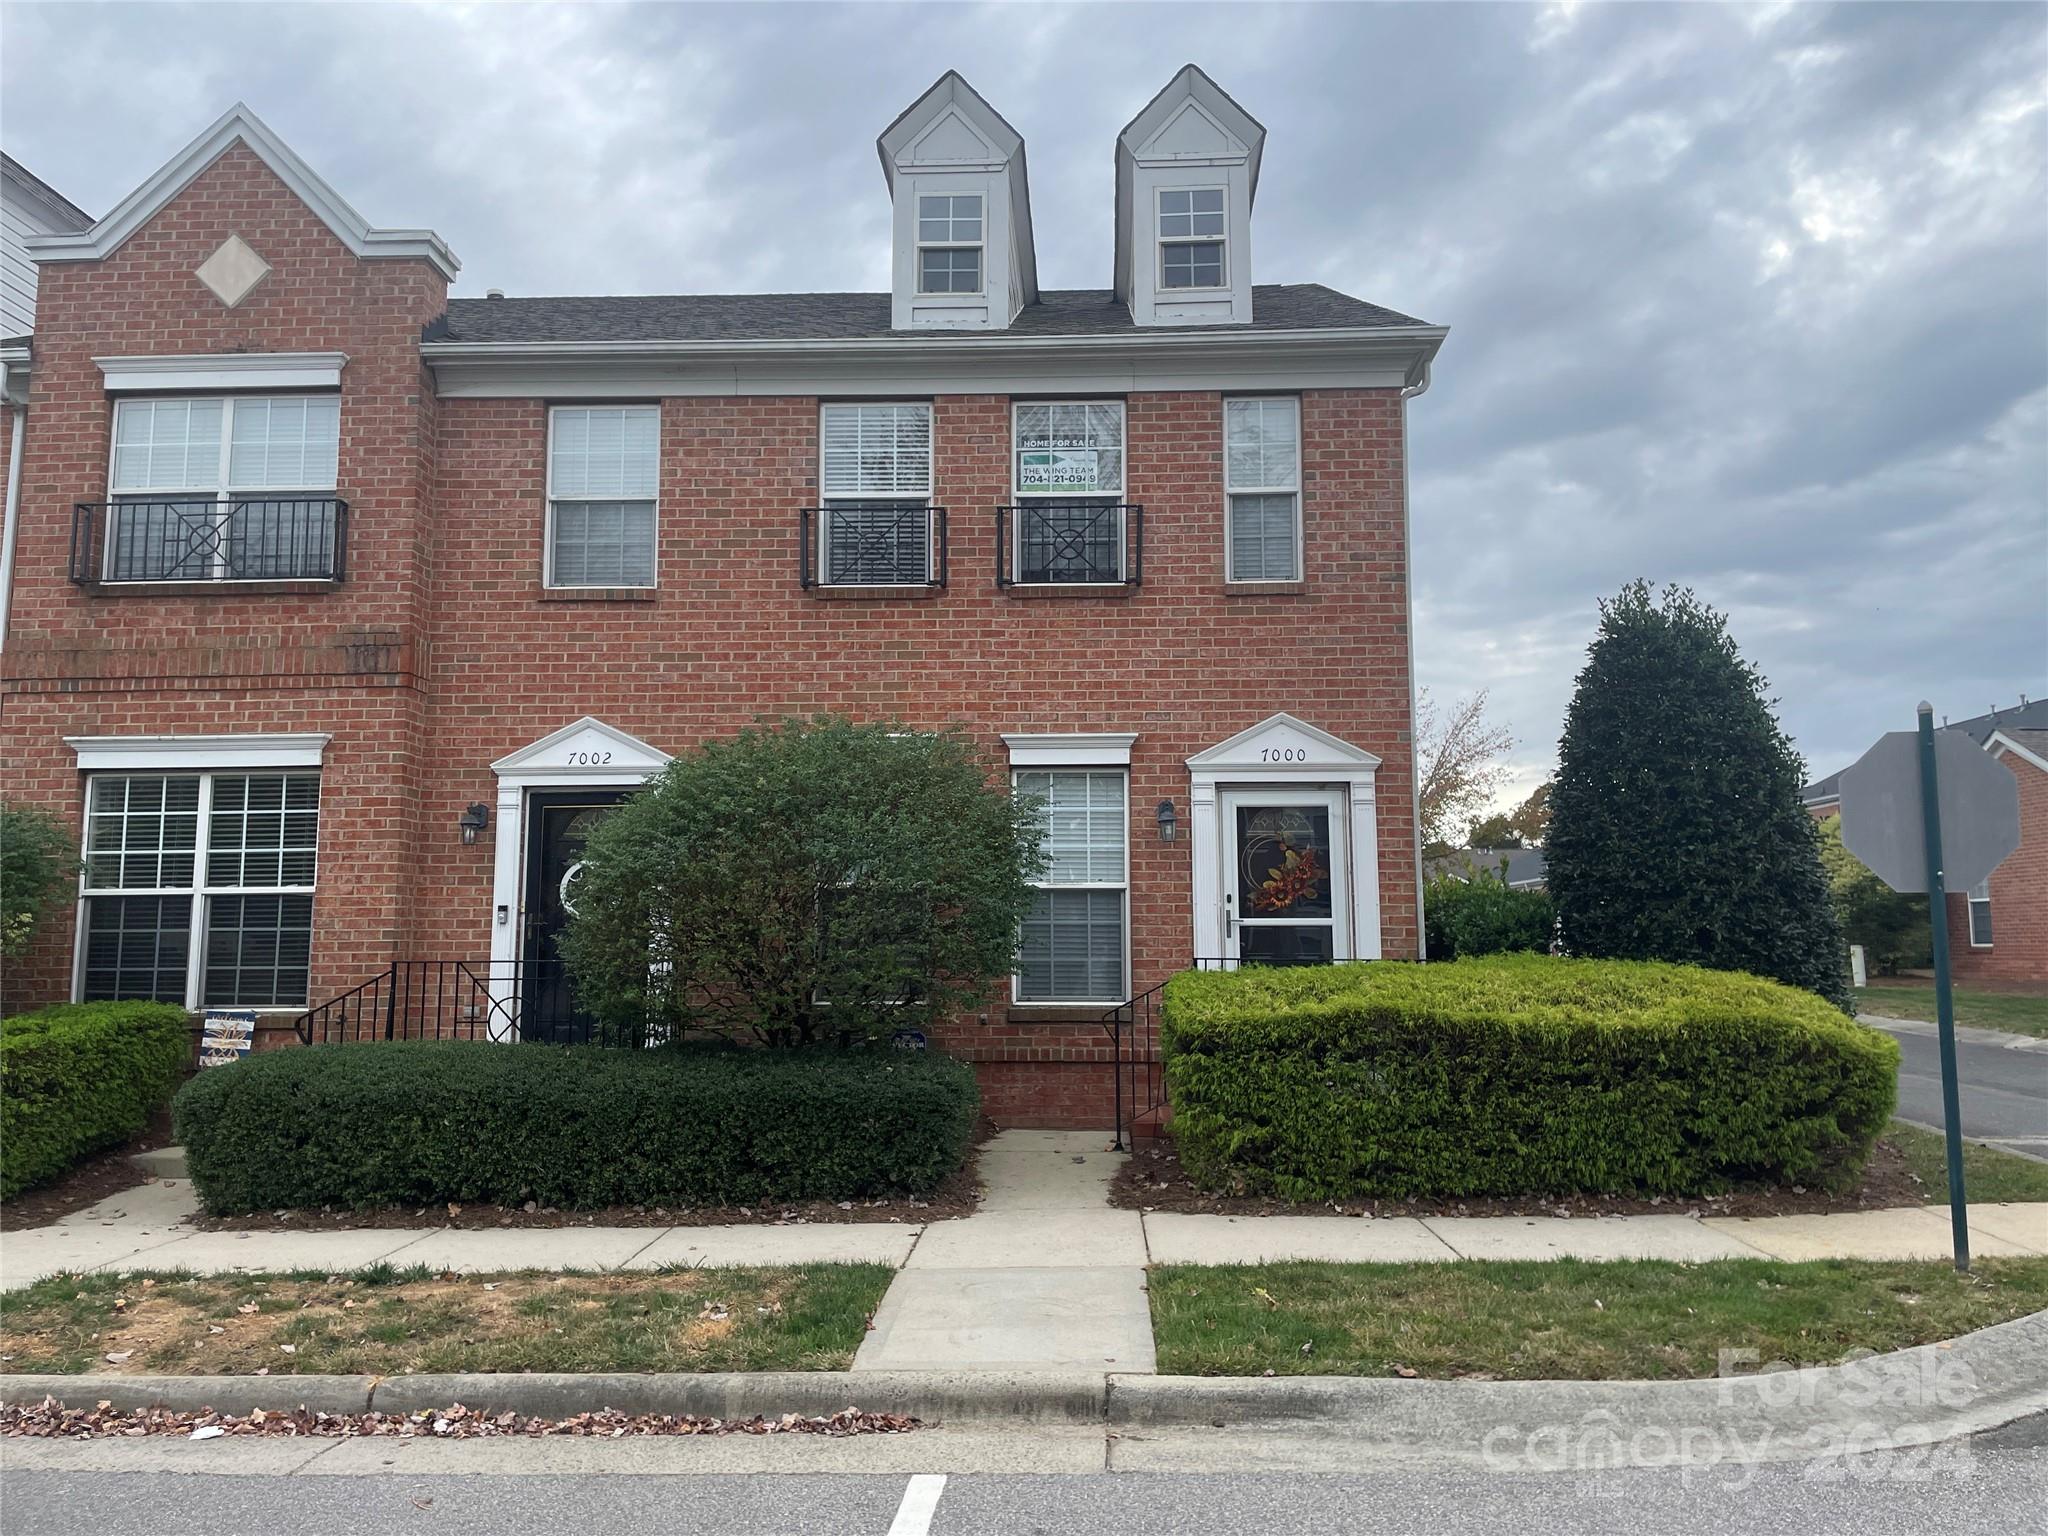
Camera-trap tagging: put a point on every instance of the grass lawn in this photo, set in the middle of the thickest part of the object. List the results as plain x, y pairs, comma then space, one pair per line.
1989, 1175
1566, 1319
2012, 1012
386, 1321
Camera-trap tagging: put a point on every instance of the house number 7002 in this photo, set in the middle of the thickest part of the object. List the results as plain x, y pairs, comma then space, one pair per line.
1283, 754
578, 759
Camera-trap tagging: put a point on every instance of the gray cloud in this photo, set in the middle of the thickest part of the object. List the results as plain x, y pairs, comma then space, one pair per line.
1754, 299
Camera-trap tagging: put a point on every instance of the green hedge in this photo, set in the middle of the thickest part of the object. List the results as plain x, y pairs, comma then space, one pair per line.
80, 1077
571, 1126
1516, 1074
1482, 915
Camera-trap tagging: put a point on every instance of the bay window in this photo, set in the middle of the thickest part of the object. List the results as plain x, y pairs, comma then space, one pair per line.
603, 473
1073, 945
228, 488
198, 888
1262, 481
876, 525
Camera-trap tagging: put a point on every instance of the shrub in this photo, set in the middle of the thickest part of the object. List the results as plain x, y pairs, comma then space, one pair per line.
1892, 928
80, 1077
422, 1122
815, 881
1676, 831
1516, 1074
38, 871
1480, 915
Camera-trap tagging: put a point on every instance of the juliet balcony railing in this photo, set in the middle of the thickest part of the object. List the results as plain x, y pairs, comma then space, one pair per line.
872, 544
206, 538
1077, 543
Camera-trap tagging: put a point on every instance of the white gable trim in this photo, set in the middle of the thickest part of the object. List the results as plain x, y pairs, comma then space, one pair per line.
2000, 744
1234, 149
1243, 753
572, 753
1080, 749
239, 125
149, 753
224, 370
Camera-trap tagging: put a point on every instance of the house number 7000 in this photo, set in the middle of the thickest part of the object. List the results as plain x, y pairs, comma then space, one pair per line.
593, 758
1283, 754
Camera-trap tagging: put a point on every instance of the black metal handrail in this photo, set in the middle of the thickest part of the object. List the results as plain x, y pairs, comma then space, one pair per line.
872, 544
438, 1000
1070, 543
206, 538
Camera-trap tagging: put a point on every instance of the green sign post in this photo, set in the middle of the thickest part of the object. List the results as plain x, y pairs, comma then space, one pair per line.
1944, 998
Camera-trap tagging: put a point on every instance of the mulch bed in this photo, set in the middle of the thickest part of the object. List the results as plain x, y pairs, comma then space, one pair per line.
99, 1176
1154, 1181
51, 1420
958, 1195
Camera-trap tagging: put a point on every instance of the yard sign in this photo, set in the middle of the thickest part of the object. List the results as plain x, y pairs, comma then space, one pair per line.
228, 1036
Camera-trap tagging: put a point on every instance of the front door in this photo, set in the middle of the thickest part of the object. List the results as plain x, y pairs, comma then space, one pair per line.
558, 821
1286, 888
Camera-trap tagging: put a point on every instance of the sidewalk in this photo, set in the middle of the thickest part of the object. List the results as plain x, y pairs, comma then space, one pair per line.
1044, 1277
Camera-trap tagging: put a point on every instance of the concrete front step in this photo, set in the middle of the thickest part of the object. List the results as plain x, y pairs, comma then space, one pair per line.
162, 1163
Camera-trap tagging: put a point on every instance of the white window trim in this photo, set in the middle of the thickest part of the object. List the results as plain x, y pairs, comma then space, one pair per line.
1295, 490
225, 494
211, 372
547, 535
1098, 765
1018, 496
1162, 241
921, 245
1078, 749
929, 496
148, 754
1971, 899
200, 890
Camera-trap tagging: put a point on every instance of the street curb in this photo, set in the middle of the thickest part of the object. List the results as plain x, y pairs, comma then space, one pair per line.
1966, 1034
1912, 1397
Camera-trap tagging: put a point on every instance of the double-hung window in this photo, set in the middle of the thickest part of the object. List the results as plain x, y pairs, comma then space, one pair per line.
875, 528
604, 465
1262, 479
1073, 948
198, 888
1070, 492
227, 488
1980, 914
949, 243
1192, 237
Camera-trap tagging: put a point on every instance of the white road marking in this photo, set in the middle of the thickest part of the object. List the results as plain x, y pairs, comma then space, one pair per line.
920, 1501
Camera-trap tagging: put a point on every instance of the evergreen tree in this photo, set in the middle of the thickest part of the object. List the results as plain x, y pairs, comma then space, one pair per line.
1676, 831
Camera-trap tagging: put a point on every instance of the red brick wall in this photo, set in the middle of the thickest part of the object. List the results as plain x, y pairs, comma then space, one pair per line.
2019, 897
474, 661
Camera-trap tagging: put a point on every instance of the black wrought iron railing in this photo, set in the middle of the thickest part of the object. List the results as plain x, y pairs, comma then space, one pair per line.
204, 538
1079, 543
872, 544
453, 1000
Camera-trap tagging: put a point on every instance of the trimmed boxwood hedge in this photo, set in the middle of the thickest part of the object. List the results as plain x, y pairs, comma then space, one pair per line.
79, 1077
1516, 1074
421, 1122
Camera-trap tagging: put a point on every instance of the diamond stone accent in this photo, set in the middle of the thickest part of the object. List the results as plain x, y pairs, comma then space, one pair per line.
232, 272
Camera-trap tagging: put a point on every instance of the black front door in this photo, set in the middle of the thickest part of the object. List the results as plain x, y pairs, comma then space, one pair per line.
558, 821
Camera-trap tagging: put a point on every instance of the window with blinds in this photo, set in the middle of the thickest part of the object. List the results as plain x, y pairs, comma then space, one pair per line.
603, 474
876, 527
199, 888
1262, 479
1073, 945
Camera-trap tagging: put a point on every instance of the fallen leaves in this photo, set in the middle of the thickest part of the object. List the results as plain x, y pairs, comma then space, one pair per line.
51, 1420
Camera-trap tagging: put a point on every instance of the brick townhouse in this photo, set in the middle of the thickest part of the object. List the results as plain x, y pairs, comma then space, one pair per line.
340, 607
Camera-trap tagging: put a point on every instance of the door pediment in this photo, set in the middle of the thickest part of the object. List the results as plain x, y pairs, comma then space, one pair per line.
585, 749
1284, 747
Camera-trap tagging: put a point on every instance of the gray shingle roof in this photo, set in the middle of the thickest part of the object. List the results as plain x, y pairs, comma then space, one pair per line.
853, 316
2027, 715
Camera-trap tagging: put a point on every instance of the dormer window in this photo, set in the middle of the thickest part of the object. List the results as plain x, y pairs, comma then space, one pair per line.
949, 243
1191, 237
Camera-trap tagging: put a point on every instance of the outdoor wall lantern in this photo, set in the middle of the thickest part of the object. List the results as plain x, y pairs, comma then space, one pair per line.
1166, 821
474, 820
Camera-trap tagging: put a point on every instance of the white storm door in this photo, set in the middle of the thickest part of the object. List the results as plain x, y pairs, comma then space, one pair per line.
1286, 876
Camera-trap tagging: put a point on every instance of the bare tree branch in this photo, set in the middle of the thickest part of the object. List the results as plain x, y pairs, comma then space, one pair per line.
1458, 754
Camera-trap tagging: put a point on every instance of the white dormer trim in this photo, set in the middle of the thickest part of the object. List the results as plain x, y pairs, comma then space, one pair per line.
223, 370
240, 125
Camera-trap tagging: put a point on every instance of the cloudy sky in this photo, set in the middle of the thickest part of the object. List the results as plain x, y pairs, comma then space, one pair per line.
1753, 299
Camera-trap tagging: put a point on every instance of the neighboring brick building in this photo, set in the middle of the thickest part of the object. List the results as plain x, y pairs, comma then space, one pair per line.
1999, 931
315, 565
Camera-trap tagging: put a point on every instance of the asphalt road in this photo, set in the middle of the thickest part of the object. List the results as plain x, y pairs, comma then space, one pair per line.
2003, 1080
1996, 1492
